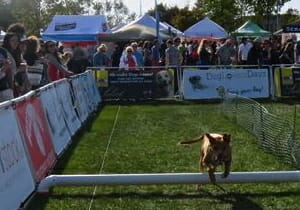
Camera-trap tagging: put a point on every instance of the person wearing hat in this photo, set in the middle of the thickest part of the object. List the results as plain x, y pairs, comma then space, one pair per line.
19, 81
100, 58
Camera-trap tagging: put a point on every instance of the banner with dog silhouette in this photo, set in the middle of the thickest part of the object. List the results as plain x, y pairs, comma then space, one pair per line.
139, 85
213, 84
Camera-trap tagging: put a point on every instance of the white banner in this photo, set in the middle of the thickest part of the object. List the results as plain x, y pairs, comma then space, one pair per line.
81, 100
212, 84
94, 87
63, 92
88, 91
16, 180
55, 118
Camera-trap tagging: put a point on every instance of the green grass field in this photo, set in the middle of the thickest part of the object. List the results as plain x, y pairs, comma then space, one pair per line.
144, 140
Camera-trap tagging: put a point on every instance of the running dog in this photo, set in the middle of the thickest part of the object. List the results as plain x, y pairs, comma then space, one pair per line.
215, 151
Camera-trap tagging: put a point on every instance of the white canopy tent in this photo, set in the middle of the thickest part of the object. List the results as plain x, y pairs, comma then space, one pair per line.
76, 28
142, 28
173, 30
206, 28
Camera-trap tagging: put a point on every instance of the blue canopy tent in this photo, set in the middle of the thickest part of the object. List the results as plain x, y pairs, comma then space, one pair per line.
76, 28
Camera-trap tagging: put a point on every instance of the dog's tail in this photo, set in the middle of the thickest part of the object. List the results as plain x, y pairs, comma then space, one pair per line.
197, 139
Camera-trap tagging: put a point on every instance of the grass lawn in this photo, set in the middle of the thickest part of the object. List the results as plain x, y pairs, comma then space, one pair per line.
143, 139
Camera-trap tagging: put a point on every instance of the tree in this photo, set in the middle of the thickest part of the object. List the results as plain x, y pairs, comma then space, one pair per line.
179, 18
5, 11
223, 12
115, 11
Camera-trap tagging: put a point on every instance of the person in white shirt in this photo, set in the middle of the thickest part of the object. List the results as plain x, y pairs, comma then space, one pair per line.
243, 51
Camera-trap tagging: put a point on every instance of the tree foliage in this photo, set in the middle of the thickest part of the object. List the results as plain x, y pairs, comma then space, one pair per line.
37, 14
115, 11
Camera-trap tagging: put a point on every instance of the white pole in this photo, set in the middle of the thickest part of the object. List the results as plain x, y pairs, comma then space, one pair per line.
157, 21
165, 178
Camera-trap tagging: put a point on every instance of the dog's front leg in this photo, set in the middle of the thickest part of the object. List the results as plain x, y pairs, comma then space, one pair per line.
211, 173
227, 167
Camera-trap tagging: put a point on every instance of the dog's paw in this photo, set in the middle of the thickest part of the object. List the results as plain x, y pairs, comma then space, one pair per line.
224, 175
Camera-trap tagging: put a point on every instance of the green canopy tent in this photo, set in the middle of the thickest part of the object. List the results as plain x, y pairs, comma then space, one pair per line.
250, 29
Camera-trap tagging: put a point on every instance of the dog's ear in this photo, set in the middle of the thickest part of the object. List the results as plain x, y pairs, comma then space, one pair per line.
210, 138
227, 137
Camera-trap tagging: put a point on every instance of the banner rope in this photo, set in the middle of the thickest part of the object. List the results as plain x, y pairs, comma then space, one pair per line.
105, 153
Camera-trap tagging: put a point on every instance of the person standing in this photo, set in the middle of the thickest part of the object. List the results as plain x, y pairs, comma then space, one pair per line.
56, 70
128, 60
226, 53
6, 92
36, 63
173, 56
100, 58
204, 55
19, 81
147, 54
155, 53
138, 55
243, 51
173, 59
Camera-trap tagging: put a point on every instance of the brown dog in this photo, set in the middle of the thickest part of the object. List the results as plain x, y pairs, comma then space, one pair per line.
215, 150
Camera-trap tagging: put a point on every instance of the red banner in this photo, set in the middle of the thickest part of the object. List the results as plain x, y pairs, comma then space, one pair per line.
36, 134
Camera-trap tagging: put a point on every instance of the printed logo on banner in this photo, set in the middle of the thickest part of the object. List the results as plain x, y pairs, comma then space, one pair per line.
208, 84
65, 100
37, 136
102, 78
10, 155
16, 181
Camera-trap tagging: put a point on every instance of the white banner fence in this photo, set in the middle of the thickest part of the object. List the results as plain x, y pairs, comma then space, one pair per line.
36, 129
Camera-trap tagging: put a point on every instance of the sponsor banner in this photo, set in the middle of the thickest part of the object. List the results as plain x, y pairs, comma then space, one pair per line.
87, 91
93, 88
54, 116
34, 127
212, 84
137, 84
291, 29
16, 180
287, 81
63, 92
80, 99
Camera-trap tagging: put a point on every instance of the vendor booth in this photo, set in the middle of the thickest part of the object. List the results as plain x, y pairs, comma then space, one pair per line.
250, 29
77, 28
291, 31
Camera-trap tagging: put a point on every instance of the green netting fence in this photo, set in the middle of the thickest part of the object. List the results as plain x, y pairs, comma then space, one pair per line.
276, 135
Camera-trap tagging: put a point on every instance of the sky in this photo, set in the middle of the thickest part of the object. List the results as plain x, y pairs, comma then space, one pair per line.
134, 5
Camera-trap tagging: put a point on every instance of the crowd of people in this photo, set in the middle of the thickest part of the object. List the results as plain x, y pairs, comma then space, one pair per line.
174, 52
21, 57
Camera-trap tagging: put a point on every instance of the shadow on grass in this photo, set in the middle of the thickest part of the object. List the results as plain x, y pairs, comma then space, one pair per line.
237, 200
86, 127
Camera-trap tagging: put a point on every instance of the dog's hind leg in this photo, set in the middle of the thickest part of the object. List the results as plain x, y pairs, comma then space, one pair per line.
201, 170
